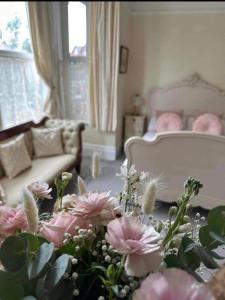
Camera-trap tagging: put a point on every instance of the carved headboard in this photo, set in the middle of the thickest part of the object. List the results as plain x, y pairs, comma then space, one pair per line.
190, 94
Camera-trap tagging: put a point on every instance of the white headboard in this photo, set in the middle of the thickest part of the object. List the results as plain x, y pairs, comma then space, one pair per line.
189, 95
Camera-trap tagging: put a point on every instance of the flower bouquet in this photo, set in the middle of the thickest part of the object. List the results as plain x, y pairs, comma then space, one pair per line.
96, 246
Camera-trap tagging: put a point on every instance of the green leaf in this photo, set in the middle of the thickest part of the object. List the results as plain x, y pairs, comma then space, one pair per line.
217, 237
216, 219
188, 259
215, 255
34, 241
213, 234
205, 239
110, 271
66, 249
29, 298
40, 288
102, 279
115, 289
57, 271
41, 259
15, 277
207, 260
10, 291
172, 261
62, 291
103, 269
189, 247
13, 253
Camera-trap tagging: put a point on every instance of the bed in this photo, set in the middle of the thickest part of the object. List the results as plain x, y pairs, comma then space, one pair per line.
177, 155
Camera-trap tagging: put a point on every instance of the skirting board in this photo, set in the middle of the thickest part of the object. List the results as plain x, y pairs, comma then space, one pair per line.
106, 152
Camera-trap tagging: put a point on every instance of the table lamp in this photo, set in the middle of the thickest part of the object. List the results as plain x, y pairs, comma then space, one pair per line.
137, 102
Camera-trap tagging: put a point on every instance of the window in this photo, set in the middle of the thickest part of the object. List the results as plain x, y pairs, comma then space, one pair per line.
22, 92
77, 28
78, 62
14, 31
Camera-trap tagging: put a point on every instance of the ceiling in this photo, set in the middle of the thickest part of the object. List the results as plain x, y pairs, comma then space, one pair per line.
175, 6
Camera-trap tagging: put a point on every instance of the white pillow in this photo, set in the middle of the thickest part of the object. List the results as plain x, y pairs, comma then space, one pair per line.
47, 141
152, 124
14, 157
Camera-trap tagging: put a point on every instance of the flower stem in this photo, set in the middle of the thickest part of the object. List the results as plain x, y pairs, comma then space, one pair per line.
120, 269
175, 224
186, 199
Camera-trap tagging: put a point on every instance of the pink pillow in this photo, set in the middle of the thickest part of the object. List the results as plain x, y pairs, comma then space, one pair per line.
169, 122
209, 123
198, 113
158, 113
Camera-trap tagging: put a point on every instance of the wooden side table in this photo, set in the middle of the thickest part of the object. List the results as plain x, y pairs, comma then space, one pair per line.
134, 126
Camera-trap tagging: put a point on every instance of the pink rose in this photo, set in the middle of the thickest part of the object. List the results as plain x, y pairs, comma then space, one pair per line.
63, 222
40, 190
11, 219
99, 208
173, 284
129, 236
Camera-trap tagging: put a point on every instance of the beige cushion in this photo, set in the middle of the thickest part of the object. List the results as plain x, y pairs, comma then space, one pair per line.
43, 170
29, 146
14, 156
29, 142
47, 141
70, 133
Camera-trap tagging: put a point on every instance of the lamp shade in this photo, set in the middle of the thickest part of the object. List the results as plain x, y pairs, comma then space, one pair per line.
137, 100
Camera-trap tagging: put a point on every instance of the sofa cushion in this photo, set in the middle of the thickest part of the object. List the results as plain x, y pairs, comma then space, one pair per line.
29, 142
43, 169
70, 133
47, 141
14, 156
29, 145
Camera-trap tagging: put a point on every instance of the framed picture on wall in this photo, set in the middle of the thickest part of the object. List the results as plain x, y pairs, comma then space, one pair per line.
124, 53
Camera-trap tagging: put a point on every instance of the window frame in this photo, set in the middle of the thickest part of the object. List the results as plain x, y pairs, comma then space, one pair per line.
18, 54
65, 47
66, 31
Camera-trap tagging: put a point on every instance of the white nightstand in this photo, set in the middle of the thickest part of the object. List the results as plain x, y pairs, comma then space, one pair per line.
134, 126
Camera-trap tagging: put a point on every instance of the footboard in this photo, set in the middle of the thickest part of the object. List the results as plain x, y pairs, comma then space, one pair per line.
176, 156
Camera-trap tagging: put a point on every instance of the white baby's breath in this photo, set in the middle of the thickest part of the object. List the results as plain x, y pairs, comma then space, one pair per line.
66, 176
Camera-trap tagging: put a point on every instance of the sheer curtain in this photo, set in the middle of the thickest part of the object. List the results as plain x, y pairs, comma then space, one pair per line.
77, 90
103, 33
22, 92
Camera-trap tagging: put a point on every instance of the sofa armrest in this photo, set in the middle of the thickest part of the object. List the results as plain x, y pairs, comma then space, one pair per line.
71, 135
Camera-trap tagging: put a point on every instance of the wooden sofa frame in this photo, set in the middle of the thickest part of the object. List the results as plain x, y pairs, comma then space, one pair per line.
24, 127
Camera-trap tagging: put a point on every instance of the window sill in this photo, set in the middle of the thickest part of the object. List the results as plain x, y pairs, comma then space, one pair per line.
15, 54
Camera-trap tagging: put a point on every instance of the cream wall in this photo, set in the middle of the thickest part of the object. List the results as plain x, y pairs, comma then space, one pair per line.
167, 47
124, 38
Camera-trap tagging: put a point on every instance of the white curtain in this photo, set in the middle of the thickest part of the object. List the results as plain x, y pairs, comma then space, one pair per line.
45, 48
103, 33
22, 91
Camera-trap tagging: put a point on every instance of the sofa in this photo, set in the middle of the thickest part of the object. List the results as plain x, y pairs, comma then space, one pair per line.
43, 169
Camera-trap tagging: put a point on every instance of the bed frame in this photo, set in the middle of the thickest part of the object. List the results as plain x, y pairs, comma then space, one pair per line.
177, 155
